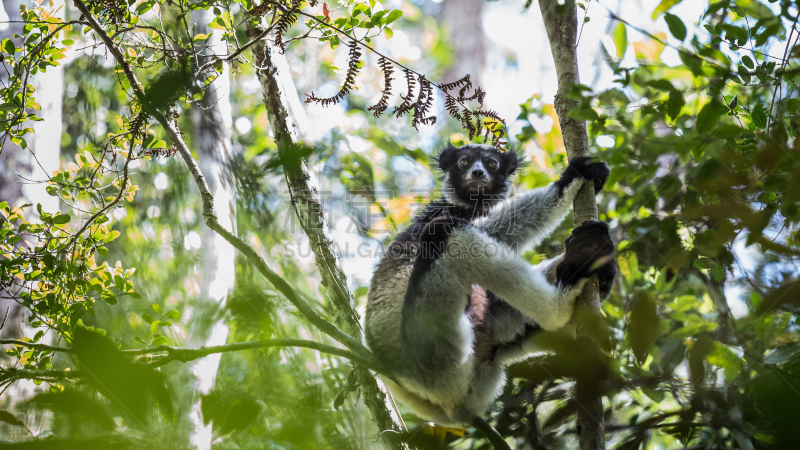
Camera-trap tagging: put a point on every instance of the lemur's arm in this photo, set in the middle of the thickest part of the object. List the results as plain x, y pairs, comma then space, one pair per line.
525, 219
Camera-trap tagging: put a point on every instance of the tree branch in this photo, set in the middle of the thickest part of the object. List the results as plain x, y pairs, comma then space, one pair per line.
310, 215
34, 345
494, 437
190, 354
562, 27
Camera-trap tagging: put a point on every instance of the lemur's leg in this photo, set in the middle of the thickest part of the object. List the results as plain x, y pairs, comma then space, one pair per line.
587, 240
444, 273
525, 219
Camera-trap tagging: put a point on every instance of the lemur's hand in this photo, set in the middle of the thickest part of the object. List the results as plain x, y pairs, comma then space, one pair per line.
583, 167
590, 250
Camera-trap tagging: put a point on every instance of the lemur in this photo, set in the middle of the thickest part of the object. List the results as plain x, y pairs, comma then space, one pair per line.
452, 302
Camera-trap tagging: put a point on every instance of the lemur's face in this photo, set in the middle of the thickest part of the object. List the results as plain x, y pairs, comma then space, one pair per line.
477, 172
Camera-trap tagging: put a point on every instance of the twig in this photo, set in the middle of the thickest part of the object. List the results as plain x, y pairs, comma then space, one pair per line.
190, 354
35, 346
494, 437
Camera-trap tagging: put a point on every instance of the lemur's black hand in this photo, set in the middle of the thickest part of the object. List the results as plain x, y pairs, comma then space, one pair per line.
589, 245
583, 167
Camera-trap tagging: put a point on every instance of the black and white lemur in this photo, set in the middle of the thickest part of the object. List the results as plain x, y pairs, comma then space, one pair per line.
452, 301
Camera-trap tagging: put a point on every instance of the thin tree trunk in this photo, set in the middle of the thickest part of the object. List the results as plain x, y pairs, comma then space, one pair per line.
212, 137
562, 27
464, 22
310, 215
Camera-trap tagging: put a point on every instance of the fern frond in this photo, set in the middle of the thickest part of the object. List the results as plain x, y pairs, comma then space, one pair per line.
451, 106
407, 103
383, 103
353, 62
423, 104
465, 82
286, 20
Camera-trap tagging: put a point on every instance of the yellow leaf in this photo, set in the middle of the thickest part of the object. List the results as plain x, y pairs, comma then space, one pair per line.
650, 50
132, 52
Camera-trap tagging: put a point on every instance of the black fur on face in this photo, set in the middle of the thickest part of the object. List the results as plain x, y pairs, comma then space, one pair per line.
477, 175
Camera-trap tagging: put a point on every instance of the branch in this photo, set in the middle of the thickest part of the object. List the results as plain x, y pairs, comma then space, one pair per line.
34, 345
310, 215
190, 354
561, 32
207, 199
12, 374
494, 437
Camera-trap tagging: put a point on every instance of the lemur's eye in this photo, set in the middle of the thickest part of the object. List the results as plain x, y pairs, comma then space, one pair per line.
492, 164
463, 162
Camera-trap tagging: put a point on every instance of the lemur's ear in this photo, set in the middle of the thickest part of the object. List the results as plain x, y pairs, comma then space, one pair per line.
447, 157
510, 161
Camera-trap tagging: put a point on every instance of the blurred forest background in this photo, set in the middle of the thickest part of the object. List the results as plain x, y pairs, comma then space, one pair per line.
108, 273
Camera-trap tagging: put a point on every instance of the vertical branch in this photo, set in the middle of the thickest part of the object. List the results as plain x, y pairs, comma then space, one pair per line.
561, 23
310, 215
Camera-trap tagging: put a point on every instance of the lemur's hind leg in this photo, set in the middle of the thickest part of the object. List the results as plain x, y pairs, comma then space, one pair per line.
454, 259
589, 251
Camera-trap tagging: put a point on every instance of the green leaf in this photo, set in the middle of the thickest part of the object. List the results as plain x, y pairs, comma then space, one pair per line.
693, 63
748, 62
154, 326
394, 15
717, 272
675, 104
174, 314
676, 26
709, 116
388, 33
691, 330
156, 308
704, 263
663, 7
759, 118
9, 46
103, 251
662, 84
722, 356
583, 112
10, 419
359, 8
734, 101
61, 219
147, 318
643, 328
792, 105
617, 173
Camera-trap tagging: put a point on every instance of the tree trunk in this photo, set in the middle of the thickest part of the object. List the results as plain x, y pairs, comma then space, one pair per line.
310, 215
561, 24
212, 137
464, 21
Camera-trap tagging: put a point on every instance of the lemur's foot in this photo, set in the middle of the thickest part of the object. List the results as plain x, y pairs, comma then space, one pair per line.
583, 167
590, 250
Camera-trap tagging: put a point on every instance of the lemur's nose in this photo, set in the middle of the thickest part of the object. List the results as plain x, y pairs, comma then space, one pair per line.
478, 173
